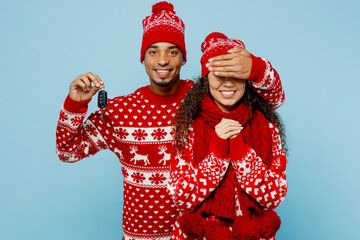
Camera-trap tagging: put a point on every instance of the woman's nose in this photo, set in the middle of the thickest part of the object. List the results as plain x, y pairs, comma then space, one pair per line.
228, 82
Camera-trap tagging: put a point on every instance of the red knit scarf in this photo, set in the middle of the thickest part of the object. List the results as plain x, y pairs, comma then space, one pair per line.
256, 134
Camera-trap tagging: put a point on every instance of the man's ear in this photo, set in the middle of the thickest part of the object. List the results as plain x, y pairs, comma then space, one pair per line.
183, 63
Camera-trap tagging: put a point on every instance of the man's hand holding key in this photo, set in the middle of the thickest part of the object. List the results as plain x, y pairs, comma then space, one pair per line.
85, 86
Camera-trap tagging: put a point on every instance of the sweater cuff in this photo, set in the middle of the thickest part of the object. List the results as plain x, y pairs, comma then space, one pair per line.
219, 146
257, 68
238, 148
76, 106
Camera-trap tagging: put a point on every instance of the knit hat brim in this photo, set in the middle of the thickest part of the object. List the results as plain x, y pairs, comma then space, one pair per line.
163, 36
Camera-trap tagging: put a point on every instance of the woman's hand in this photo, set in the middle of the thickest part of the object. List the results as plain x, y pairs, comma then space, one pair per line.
228, 128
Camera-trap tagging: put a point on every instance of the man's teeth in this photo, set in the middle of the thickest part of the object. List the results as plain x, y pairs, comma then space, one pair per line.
163, 71
228, 93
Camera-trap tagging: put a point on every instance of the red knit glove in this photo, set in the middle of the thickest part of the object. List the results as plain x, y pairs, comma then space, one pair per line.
219, 146
238, 148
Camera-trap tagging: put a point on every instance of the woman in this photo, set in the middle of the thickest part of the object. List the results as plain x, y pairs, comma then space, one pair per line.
228, 170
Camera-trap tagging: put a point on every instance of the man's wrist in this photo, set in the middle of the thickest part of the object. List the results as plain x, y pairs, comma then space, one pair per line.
257, 68
76, 106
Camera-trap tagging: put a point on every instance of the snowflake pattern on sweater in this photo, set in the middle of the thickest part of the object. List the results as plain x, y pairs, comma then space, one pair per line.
189, 185
137, 128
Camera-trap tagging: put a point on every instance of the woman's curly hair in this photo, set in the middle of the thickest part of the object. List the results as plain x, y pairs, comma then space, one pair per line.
190, 108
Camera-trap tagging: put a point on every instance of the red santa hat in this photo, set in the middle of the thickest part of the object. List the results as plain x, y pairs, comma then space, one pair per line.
163, 26
216, 44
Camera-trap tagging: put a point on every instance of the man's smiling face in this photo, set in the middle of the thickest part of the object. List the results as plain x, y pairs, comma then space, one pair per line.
163, 61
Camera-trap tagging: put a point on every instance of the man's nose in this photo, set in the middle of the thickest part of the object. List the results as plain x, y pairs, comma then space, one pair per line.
163, 59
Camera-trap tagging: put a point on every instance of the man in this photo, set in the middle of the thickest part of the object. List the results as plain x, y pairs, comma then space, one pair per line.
137, 127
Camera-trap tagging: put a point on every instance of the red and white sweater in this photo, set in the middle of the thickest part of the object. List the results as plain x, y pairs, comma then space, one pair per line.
138, 129
190, 185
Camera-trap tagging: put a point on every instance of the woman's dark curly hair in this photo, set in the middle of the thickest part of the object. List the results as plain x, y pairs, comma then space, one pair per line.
190, 108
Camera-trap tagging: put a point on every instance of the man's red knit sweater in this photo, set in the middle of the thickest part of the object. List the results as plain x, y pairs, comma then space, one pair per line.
137, 128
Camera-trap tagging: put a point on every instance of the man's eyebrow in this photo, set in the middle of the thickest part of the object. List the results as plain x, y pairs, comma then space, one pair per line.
170, 47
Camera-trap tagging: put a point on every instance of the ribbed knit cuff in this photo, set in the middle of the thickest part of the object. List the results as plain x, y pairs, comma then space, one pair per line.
219, 146
224, 208
238, 148
76, 106
257, 69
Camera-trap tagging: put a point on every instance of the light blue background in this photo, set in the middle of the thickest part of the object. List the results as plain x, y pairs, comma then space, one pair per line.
314, 45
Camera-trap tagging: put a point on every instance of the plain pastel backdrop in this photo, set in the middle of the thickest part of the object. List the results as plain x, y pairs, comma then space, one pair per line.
45, 44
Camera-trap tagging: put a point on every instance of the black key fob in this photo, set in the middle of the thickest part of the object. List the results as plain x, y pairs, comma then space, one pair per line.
102, 99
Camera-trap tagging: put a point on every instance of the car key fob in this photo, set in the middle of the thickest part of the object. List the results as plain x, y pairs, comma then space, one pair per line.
102, 101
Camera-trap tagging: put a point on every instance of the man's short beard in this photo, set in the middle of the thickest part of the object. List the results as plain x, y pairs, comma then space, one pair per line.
162, 84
